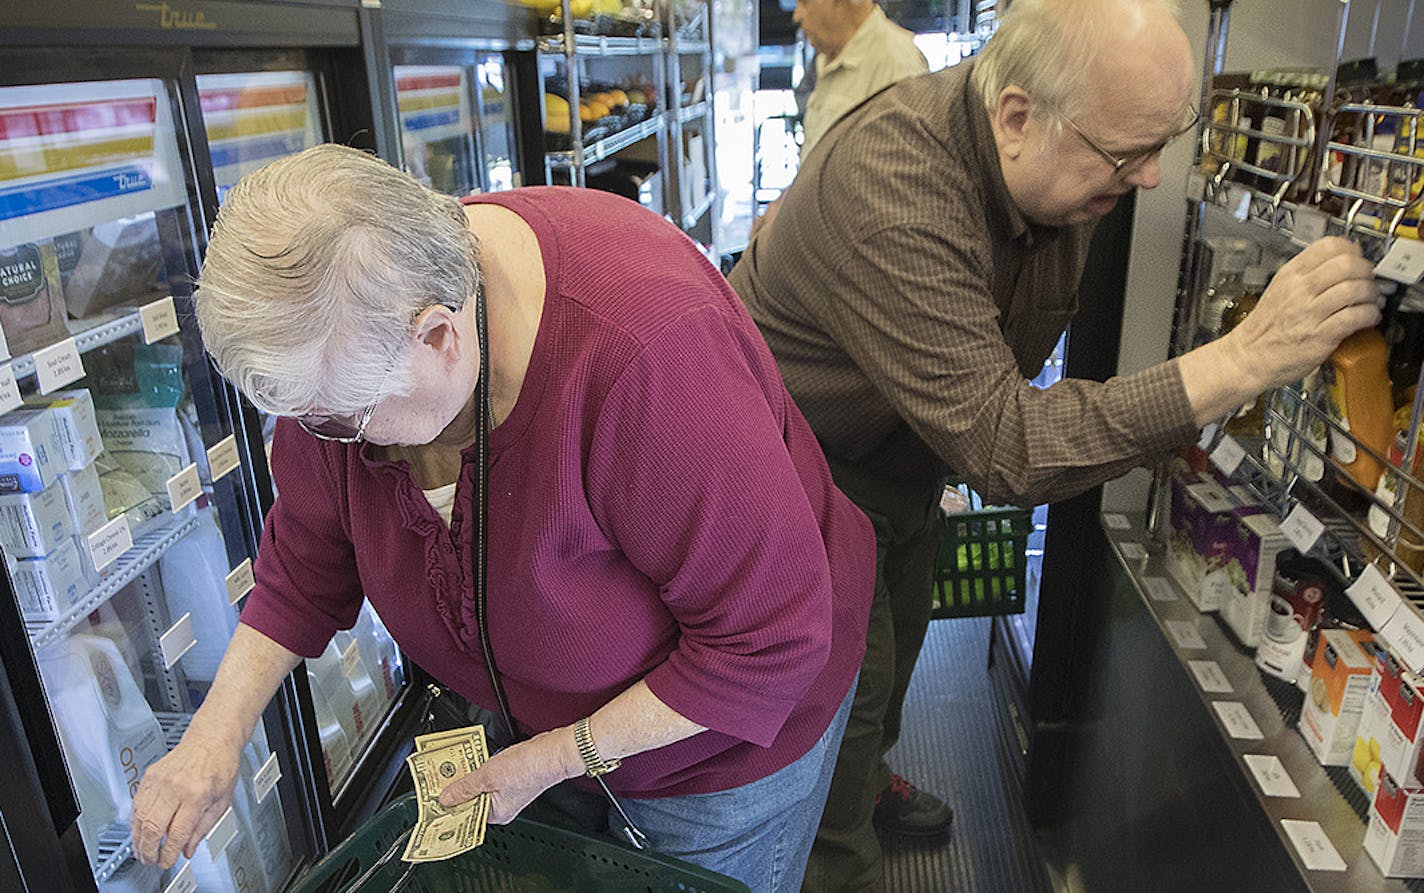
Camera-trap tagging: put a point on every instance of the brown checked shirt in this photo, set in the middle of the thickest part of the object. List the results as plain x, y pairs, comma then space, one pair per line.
908, 301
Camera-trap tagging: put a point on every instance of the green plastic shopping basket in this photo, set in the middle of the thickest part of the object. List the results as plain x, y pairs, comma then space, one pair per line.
982, 560
521, 857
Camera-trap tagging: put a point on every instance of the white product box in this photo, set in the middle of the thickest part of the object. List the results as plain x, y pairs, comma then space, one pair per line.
1254, 573
31, 457
32, 525
1339, 680
84, 497
1395, 836
49, 586
1391, 733
75, 424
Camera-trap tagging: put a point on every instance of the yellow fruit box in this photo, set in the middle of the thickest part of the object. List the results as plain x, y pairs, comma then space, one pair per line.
1339, 680
1391, 732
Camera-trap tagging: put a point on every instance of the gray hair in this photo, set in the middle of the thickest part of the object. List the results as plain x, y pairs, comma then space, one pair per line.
317, 266
1047, 47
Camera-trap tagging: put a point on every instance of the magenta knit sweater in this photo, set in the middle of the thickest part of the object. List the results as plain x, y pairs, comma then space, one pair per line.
659, 510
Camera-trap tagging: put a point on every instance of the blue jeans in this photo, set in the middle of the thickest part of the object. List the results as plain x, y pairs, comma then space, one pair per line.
759, 833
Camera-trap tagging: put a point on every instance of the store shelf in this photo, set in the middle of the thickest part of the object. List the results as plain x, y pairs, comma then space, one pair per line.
610, 145
115, 844
593, 45
693, 112
690, 219
90, 334
146, 550
1327, 795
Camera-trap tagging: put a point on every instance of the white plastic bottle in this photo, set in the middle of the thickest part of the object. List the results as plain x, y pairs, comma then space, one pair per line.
370, 699
194, 573
328, 674
265, 819
335, 745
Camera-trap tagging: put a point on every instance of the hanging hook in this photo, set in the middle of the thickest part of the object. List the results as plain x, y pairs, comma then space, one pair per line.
1219, 179
1353, 213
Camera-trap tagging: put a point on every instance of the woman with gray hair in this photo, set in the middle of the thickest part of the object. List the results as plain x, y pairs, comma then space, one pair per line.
668, 580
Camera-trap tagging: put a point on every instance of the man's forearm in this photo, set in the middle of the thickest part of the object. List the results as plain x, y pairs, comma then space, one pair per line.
1218, 380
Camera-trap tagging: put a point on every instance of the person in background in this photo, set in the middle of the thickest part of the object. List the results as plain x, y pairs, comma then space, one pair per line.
673, 580
859, 52
922, 267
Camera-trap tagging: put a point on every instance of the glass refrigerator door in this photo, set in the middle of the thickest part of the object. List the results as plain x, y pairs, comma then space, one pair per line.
437, 127
498, 136
251, 119
124, 522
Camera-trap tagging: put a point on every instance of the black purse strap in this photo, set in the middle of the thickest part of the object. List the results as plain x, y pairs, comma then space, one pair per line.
480, 561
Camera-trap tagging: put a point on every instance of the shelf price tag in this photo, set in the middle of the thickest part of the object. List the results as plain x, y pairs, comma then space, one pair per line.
1228, 455
266, 778
1207, 434
222, 834
222, 457
351, 659
1238, 721
1117, 522
1242, 204
1309, 224
1133, 551
183, 882
9, 389
1302, 529
1375, 597
110, 541
1316, 851
160, 320
177, 641
1159, 589
240, 581
1196, 186
1186, 634
1210, 677
58, 365
1404, 262
1270, 773
1405, 635
184, 487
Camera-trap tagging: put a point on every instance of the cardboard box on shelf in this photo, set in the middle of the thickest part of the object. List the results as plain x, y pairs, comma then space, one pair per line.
47, 587
31, 297
33, 525
1390, 735
1394, 837
30, 451
84, 497
1204, 519
75, 425
1252, 569
1339, 679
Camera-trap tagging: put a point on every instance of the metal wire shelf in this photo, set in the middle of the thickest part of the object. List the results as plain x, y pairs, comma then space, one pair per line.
115, 845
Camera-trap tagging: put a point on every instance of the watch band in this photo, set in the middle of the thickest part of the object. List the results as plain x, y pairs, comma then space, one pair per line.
593, 764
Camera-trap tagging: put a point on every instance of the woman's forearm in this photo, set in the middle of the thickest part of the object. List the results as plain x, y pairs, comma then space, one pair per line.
250, 673
631, 723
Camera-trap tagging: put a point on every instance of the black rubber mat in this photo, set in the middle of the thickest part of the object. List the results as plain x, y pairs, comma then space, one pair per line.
951, 746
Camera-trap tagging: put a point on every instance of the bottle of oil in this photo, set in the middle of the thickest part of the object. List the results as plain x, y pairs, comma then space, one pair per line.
1250, 418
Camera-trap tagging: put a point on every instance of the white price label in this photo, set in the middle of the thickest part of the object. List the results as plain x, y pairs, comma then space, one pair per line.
1316, 851
1374, 596
160, 320
184, 487
1210, 677
240, 581
1133, 551
1186, 634
1302, 529
177, 641
222, 457
1228, 455
1160, 589
1405, 635
1196, 186
222, 834
1404, 262
1242, 211
1207, 434
1237, 719
1211, 497
1270, 773
1244, 495
1309, 224
351, 659
266, 778
110, 541
183, 882
1117, 522
9, 389
58, 365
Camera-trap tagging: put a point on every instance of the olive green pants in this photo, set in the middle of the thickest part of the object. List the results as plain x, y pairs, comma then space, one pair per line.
846, 854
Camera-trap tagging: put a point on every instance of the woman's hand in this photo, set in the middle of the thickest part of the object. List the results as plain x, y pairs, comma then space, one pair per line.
183, 795
519, 773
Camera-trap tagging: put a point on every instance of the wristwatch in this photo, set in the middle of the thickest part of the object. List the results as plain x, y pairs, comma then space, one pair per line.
593, 764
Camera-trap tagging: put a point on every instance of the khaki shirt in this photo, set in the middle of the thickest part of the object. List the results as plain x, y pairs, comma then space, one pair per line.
879, 54
908, 301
